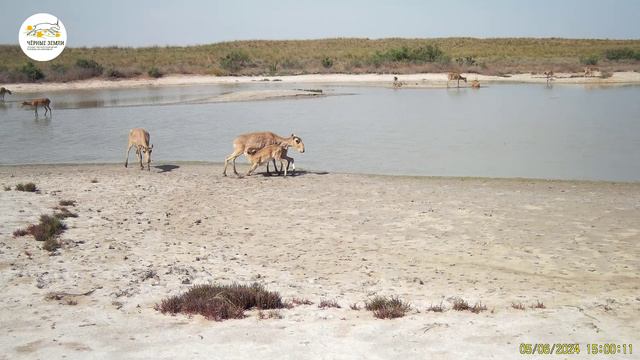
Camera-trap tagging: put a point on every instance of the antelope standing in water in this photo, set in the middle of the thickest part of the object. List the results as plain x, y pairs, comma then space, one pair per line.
455, 76
139, 138
39, 102
549, 75
4, 91
589, 70
396, 83
475, 84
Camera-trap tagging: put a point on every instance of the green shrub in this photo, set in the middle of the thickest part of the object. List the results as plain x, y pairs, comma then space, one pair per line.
419, 55
621, 54
235, 60
590, 60
154, 72
90, 67
327, 62
31, 72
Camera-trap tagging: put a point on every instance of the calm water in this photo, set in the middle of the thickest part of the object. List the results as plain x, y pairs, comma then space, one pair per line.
564, 132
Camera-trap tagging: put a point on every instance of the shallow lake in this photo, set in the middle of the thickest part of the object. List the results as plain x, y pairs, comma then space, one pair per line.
532, 131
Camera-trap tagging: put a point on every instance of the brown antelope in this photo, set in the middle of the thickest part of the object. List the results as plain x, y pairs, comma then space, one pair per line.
549, 75
455, 76
39, 102
268, 153
139, 138
589, 70
475, 84
256, 141
4, 91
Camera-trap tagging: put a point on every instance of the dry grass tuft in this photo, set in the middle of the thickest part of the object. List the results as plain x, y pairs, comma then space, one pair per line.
436, 308
329, 304
538, 305
64, 213
67, 203
6, 188
387, 307
518, 305
271, 314
354, 306
20, 232
300, 301
221, 302
28, 187
460, 304
94, 181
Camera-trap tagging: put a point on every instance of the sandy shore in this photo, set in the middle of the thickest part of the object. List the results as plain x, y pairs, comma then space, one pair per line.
411, 80
141, 236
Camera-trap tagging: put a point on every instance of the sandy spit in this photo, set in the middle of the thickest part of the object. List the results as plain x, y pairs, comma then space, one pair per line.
411, 80
141, 236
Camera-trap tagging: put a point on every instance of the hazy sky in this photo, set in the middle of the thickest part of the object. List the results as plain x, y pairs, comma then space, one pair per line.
186, 22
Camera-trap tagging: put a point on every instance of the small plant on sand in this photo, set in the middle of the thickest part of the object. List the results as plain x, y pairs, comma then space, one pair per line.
271, 314
518, 305
7, 188
46, 230
436, 308
67, 203
538, 305
64, 213
387, 307
329, 304
20, 232
354, 306
28, 187
221, 302
94, 181
300, 301
462, 305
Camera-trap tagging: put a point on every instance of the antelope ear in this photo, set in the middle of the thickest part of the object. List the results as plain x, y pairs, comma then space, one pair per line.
151, 147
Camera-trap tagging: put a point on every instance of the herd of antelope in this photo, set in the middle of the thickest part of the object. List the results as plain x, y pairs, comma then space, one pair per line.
260, 147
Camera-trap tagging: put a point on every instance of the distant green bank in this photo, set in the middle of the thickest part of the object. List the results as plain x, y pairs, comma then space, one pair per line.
344, 55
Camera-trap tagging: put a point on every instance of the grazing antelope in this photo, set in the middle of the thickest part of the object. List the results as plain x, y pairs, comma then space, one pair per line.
256, 141
549, 75
475, 84
589, 70
455, 76
39, 102
4, 91
268, 153
139, 138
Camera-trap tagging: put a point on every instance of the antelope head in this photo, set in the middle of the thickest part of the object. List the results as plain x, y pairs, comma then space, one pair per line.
296, 142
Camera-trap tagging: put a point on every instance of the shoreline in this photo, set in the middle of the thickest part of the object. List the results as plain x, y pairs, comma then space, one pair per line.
159, 164
425, 80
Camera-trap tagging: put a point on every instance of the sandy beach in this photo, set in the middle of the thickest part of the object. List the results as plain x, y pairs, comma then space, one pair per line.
430, 80
142, 236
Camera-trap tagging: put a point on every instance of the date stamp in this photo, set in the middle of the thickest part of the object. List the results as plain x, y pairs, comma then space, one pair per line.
575, 349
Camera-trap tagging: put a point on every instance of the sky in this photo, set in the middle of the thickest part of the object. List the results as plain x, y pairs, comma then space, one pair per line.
190, 22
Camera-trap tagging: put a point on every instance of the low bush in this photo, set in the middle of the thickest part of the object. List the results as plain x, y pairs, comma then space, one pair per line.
28, 187
221, 302
387, 307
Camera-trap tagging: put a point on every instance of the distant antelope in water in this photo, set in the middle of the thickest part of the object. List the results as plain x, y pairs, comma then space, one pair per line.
549, 75
4, 91
475, 84
455, 76
39, 102
396, 83
589, 70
